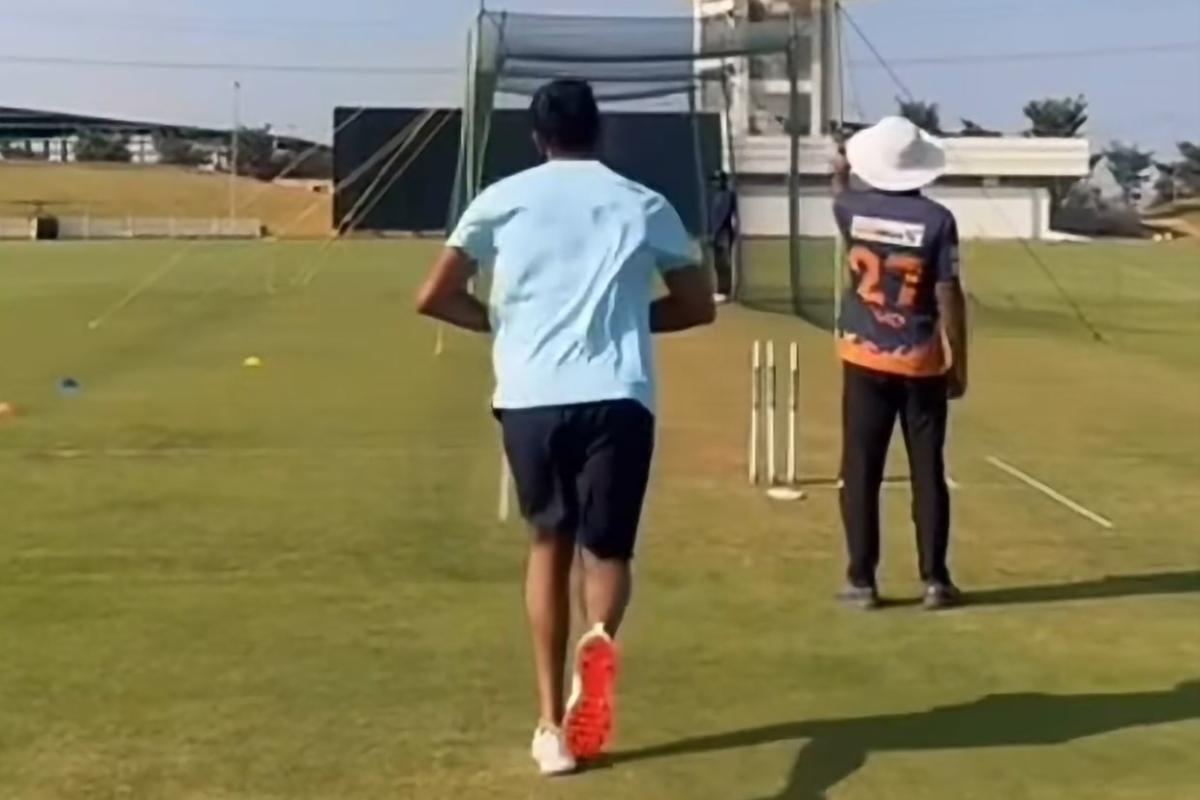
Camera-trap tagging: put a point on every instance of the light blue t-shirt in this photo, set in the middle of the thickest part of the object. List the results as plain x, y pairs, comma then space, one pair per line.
572, 248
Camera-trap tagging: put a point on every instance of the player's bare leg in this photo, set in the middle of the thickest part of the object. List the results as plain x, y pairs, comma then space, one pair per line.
548, 606
607, 587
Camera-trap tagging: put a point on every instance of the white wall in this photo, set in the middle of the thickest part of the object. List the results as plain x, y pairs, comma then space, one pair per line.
997, 213
1000, 157
991, 213
16, 228
764, 211
1008, 157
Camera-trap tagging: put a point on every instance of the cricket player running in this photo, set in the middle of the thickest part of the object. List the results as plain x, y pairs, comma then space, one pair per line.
573, 248
902, 338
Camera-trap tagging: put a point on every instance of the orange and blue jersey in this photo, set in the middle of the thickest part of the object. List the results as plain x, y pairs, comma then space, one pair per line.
899, 246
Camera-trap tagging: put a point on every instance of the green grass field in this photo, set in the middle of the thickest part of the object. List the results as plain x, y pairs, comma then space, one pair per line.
289, 582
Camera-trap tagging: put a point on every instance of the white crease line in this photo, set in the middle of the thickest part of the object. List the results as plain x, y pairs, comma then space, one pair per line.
889, 484
1058, 497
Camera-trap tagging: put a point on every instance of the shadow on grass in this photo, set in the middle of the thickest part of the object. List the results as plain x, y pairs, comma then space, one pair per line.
1100, 589
838, 747
1111, 587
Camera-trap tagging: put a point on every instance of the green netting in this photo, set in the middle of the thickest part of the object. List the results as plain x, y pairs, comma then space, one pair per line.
625, 59
768, 283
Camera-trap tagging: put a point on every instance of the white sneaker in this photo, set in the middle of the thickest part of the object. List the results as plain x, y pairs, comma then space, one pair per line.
720, 299
549, 750
590, 711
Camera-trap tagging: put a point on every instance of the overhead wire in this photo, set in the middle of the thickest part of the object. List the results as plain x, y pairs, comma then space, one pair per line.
1031, 56
846, 71
1076, 309
224, 25
391, 151
427, 117
155, 275
374, 195
1035, 56
399, 140
399, 173
225, 66
395, 146
883, 62
310, 271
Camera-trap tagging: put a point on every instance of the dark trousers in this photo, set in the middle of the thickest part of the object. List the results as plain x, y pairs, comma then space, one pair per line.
722, 246
871, 402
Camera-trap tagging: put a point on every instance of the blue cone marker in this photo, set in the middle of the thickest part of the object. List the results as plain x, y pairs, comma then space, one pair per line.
69, 386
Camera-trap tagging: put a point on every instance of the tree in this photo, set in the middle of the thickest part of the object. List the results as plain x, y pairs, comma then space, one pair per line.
21, 150
924, 115
317, 165
1187, 169
101, 146
1057, 118
256, 153
972, 129
1166, 188
1128, 163
174, 149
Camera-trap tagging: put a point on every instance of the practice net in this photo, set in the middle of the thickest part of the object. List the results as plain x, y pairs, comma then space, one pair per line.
629, 60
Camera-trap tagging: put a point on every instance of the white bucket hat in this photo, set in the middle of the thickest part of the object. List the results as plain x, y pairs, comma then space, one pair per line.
896, 156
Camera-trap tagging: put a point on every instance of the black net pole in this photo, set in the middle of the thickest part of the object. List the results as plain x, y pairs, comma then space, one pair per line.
701, 182
735, 251
839, 246
794, 265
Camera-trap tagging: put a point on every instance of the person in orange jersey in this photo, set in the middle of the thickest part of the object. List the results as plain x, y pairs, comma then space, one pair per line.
902, 340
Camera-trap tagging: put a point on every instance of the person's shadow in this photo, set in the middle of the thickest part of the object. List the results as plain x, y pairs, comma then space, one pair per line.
838, 747
1186, 582
1110, 587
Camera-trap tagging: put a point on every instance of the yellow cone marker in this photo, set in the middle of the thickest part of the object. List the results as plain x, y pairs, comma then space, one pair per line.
253, 362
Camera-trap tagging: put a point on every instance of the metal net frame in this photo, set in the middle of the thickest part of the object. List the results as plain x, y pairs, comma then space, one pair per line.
625, 59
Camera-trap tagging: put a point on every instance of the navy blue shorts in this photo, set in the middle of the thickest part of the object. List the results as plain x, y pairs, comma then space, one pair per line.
581, 470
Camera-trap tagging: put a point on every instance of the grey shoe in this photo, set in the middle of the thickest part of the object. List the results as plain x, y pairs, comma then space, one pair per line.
940, 596
862, 597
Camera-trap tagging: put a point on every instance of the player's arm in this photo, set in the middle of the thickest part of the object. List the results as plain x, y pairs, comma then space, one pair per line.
952, 308
446, 293
689, 299
687, 304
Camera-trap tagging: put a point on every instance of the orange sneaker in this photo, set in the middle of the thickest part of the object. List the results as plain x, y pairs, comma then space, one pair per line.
590, 712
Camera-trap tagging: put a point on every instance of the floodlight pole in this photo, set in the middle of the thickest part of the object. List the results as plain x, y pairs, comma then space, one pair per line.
233, 150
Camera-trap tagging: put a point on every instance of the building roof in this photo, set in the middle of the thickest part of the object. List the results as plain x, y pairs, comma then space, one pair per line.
34, 124
24, 123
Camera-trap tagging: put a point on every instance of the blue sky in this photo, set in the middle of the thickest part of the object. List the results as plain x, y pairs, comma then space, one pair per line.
1151, 97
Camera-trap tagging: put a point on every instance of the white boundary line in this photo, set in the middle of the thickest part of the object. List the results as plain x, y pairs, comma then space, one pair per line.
1058, 497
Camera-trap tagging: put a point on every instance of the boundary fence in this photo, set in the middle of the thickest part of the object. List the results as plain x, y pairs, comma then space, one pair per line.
88, 227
